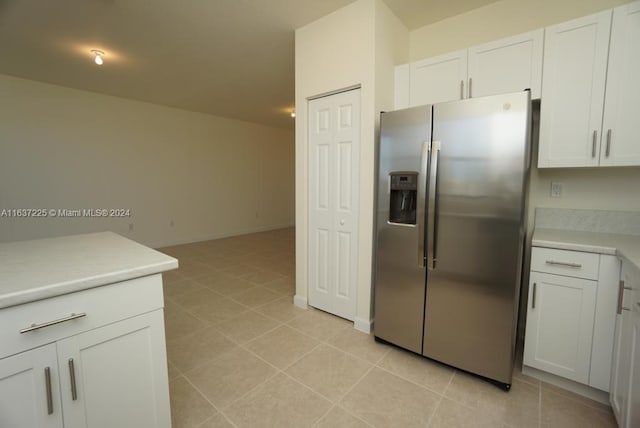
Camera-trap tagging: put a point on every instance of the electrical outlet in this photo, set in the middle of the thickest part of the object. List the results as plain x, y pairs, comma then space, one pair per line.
556, 189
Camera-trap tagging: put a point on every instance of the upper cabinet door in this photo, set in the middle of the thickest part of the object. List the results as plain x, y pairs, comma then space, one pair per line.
507, 65
438, 79
574, 73
621, 134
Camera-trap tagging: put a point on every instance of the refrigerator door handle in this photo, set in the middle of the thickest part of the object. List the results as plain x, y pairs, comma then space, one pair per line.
422, 190
431, 209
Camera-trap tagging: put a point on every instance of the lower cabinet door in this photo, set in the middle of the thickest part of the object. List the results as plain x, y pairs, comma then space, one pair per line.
619, 370
116, 375
633, 415
29, 389
560, 320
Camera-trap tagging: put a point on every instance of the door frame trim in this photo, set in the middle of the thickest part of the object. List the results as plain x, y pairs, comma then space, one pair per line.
334, 92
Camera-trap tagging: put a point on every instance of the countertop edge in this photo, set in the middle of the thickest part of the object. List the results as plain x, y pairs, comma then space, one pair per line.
53, 290
623, 246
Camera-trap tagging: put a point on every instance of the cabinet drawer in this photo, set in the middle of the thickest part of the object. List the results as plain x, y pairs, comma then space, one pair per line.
102, 305
563, 262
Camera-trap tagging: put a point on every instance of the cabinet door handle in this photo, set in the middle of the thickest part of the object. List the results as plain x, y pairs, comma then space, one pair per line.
593, 144
470, 87
462, 89
621, 297
47, 379
533, 298
608, 149
72, 375
54, 322
573, 265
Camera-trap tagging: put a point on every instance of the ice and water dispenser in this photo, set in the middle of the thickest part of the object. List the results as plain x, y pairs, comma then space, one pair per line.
403, 198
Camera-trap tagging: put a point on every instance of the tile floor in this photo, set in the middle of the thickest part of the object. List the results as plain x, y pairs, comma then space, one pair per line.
241, 355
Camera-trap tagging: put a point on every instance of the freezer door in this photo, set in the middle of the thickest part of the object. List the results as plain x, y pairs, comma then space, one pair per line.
399, 286
474, 275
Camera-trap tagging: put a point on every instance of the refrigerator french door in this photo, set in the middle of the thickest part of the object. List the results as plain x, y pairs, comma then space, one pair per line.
450, 230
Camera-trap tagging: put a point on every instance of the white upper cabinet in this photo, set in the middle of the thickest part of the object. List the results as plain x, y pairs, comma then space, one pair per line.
508, 65
590, 91
621, 135
438, 79
574, 73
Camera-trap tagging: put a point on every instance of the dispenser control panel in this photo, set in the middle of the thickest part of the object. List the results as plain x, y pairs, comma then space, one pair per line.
403, 197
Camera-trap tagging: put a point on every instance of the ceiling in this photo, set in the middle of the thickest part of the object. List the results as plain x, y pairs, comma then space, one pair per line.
230, 58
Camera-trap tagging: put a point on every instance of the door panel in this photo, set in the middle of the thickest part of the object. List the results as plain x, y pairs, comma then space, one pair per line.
574, 70
23, 386
507, 65
621, 109
560, 326
106, 362
333, 220
473, 289
400, 274
438, 79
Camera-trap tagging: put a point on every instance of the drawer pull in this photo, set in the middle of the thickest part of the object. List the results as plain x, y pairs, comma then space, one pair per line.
47, 379
54, 322
573, 265
72, 375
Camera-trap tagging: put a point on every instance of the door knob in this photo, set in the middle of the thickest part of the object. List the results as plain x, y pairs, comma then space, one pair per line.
342, 222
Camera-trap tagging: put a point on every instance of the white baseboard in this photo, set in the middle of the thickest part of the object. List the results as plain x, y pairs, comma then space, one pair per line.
363, 325
300, 301
170, 243
569, 385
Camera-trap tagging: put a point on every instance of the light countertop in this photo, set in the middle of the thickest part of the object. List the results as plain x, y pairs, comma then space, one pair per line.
39, 269
625, 246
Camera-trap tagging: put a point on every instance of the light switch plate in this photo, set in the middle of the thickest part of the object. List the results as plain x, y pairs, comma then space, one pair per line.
556, 189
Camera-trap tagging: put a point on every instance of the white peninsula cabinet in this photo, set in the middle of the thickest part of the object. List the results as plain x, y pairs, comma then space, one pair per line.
571, 315
506, 65
625, 376
82, 334
590, 88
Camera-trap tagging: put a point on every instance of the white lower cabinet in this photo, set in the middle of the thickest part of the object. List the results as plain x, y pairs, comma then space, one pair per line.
29, 389
560, 325
571, 315
104, 370
118, 373
625, 376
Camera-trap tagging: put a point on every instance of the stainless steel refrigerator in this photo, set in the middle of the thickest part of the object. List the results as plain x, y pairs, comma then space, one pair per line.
450, 230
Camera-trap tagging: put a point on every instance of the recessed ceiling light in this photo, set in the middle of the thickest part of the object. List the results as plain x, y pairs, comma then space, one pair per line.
98, 56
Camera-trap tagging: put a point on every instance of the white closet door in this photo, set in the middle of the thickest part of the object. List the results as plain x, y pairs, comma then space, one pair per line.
334, 140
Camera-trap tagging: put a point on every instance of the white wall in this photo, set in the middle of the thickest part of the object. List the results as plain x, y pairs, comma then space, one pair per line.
345, 48
65, 148
497, 20
336, 52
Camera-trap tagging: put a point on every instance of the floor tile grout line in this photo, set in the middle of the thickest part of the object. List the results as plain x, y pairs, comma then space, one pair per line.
354, 354
578, 400
442, 397
218, 409
412, 381
540, 406
339, 401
